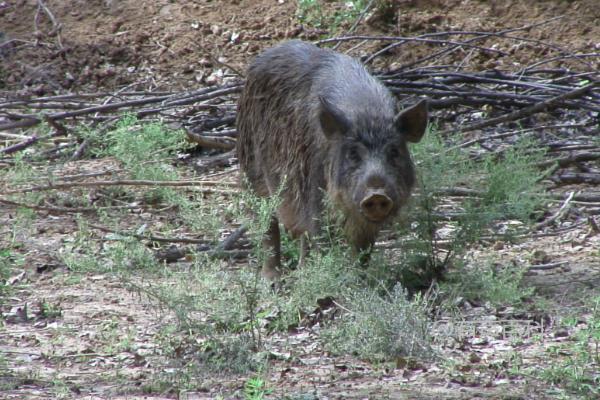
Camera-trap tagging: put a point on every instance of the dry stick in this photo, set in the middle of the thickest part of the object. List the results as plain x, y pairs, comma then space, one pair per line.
213, 142
510, 133
583, 177
56, 27
496, 78
440, 88
485, 97
71, 97
227, 133
576, 56
199, 95
559, 214
525, 111
484, 35
480, 36
66, 185
64, 209
565, 161
547, 266
466, 192
410, 39
20, 146
355, 24
149, 237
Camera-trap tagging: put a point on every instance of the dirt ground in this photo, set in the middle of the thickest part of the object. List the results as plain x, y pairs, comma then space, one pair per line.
106, 45
176, 44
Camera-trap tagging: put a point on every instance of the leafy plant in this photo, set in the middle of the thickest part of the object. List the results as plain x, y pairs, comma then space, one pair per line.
142, 148
256, 389
382, 327
436, 233
576, 366
488, 282
312, 12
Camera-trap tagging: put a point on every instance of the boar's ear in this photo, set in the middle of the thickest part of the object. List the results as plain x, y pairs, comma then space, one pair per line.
332, 119
412, 121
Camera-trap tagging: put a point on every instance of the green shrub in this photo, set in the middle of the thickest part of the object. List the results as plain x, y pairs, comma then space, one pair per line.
381, 327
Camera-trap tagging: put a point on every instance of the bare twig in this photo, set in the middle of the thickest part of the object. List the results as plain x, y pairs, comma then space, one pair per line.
559, 214
516, 115
66, 185
55, 209
358, 21
211, 142
19, 146
149, 237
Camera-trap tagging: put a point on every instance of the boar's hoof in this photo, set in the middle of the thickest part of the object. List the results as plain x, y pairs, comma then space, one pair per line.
270, 272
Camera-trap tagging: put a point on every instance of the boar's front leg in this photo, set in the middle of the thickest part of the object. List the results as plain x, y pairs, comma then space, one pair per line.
271, 268
305, 246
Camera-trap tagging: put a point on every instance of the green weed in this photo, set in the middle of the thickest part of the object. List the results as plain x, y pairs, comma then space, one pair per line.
488, 282
313, 13
575, 365
436, 233
256, 389
49, 310
143, 150
382, 327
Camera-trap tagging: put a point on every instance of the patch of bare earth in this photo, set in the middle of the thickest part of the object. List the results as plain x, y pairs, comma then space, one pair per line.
103, 341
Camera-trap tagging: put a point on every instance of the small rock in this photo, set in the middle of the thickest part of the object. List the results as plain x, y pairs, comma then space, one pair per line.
215, 78
561, 333
474, 358
205, 62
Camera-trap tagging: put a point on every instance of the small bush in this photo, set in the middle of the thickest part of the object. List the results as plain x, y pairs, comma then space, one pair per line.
487, 282
382, 327
576, 364
437, 232
312, 12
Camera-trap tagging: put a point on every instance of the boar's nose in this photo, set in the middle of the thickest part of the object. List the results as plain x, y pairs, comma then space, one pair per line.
376, 205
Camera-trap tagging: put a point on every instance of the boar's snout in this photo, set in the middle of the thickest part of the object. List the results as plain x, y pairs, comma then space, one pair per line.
376, 205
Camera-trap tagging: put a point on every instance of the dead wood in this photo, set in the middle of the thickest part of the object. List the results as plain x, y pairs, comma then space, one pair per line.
538, 107
63, 210
122, 182
212, 142
573, 178
571, 159
151, 238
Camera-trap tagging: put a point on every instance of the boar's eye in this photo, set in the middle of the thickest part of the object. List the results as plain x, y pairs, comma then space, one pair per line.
353, 155
393, 154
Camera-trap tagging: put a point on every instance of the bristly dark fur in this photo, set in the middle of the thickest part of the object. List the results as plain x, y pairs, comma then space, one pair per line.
280, 136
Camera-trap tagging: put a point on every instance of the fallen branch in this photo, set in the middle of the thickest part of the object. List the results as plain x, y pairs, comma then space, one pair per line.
148, 237
124, 182
20, 146
63, 210
211, 142
516, 115
169, 101
572, 159
564, 208
572, 178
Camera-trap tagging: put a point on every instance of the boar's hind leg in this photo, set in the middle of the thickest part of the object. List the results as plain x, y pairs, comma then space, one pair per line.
272, 244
